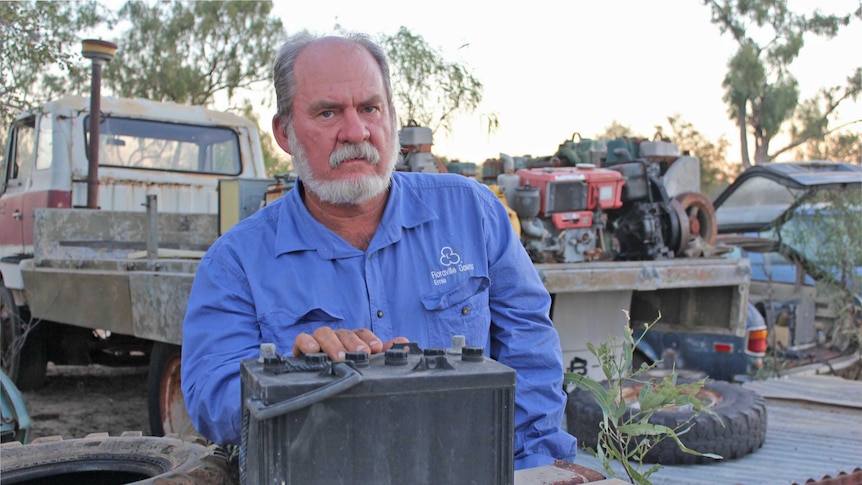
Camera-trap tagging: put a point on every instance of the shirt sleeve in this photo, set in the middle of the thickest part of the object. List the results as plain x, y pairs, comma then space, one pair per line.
220, 330
524, 338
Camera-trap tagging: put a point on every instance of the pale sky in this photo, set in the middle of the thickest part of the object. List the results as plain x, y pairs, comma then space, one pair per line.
552, 68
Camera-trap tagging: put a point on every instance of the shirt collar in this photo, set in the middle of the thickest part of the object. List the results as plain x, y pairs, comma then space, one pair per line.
297, 230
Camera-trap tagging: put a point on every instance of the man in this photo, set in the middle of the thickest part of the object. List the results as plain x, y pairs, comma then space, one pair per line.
357, 257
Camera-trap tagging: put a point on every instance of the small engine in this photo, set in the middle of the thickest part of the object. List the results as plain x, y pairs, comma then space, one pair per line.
619, 211
561, 210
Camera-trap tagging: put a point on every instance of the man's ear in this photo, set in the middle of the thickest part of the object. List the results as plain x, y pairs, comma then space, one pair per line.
280, 133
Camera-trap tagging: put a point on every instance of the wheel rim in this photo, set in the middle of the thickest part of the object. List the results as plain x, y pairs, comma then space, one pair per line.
175, 418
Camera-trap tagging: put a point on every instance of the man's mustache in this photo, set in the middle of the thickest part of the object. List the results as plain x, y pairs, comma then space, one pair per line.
353, 151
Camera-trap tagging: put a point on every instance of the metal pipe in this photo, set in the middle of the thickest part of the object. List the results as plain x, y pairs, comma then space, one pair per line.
153, 227
99, 51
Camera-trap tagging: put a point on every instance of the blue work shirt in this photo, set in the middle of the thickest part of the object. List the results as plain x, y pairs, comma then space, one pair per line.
444, 261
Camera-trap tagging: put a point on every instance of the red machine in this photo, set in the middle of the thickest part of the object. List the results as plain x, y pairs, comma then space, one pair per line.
560, 209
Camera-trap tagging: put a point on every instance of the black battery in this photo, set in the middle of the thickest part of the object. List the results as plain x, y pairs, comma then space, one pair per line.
408, 416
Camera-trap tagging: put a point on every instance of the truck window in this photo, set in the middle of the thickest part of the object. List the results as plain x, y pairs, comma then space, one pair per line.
175, 147
45, 143
23, 143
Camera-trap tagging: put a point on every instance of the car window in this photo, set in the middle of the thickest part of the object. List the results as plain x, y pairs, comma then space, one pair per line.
825, 233
757, 201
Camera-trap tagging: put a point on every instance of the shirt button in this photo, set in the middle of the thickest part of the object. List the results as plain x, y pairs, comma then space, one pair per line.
465, 310
379, 313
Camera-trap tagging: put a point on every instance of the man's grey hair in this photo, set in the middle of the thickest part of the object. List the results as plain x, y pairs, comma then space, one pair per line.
284, 76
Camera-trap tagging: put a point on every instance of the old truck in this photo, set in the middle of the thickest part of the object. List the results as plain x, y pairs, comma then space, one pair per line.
621, 235
109, 283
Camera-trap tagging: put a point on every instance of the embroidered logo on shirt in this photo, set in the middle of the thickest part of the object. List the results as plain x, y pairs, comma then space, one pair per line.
448, 257
451, 261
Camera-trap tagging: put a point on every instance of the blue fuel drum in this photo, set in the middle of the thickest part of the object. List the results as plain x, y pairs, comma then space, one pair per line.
407, 416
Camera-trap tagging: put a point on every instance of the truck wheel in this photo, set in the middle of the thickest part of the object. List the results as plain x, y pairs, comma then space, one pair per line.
166, 405
741, 429
128, 458
23, 343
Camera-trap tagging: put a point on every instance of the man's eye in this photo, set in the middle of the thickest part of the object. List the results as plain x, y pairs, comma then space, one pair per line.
327, 114
371, 109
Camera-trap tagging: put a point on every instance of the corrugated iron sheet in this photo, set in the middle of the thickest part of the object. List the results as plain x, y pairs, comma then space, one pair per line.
811, 434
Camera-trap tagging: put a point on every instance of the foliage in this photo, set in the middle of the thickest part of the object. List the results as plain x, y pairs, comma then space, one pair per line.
715, 172
816, 140
188, 52
625, 433
426, 87
41, 51
760, 91
823, 234
274, 159
615, 130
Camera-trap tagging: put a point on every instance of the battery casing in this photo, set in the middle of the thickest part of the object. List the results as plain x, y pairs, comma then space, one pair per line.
433, 419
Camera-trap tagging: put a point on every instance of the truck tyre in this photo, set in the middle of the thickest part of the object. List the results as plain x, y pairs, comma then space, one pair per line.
128, 458
25, 353
166, 406
740, 431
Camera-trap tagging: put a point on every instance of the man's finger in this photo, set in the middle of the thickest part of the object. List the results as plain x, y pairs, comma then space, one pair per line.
330, 342
397, 340
305, 344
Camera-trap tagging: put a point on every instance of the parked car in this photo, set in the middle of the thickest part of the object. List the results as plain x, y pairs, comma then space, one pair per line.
800, 225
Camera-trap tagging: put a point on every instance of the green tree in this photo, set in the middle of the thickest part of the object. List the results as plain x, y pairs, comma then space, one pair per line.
840, 147
760, 91
188, 52
426, 87
820, 141
40, 51
275, 159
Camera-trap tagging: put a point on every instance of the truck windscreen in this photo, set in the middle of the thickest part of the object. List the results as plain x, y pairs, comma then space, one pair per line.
160, 145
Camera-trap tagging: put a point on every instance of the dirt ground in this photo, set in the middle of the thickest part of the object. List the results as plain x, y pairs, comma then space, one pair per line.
78, 400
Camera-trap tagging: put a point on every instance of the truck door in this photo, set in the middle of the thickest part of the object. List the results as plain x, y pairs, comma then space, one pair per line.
18, 164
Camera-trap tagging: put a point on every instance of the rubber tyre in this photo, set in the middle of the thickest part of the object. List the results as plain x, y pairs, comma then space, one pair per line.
27, 367
128, 458
166, 406
742, 411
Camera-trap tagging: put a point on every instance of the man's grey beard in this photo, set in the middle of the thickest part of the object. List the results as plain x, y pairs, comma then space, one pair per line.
353, 191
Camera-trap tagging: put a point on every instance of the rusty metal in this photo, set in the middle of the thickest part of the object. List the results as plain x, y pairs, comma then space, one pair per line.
561, 473
87, 259
175, 418
644, 275
843, 478
701, 215
99, 52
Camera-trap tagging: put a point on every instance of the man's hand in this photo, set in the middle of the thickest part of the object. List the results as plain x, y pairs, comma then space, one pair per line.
335, 343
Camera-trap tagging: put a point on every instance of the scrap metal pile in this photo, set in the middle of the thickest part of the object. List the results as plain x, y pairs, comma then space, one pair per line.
621, 199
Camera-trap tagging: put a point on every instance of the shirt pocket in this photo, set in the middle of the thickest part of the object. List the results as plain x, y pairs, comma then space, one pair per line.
462, 310
281, 326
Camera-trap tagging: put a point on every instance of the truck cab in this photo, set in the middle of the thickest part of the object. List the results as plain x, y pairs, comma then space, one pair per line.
64, 263
176, 152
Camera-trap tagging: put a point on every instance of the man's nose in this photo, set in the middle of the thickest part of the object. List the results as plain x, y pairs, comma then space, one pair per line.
353, 128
